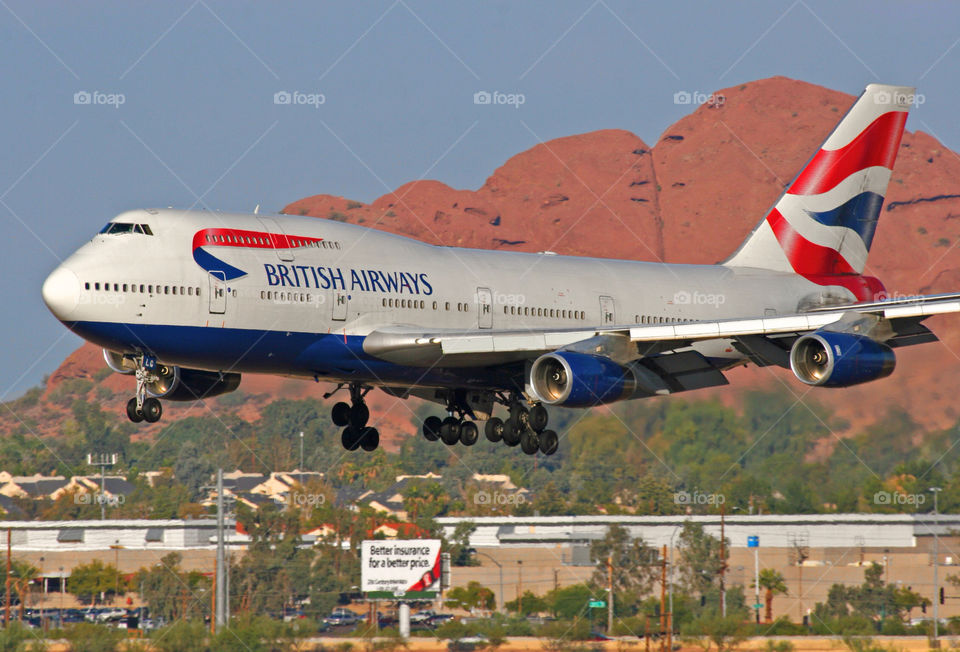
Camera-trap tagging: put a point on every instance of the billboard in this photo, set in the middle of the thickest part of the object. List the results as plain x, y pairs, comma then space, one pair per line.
404, 568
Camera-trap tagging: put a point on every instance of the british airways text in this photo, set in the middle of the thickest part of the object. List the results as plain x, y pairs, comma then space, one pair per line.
366, 280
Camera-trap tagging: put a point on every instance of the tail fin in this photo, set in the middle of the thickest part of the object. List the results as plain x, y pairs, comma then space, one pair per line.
823, 225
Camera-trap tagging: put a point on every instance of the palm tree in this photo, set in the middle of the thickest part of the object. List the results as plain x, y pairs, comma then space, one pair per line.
772, 582
22, 575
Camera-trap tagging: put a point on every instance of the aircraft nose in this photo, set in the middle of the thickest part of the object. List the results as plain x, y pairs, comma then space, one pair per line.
61, 292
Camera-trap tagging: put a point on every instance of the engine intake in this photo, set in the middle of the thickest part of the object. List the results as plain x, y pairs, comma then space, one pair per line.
118, 363
176, 384
833, 359
580, 380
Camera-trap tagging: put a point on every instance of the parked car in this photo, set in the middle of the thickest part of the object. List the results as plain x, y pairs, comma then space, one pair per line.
342, 617
422, 617
439, 619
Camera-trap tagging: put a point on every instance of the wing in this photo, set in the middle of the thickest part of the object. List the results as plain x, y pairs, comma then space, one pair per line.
669, 350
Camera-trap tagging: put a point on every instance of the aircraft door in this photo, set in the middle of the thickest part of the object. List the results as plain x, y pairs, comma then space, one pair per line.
484, 308
608, 314
340, 304
218, 293
277, 238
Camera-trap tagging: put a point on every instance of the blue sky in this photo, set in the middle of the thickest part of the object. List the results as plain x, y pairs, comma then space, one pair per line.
198, 124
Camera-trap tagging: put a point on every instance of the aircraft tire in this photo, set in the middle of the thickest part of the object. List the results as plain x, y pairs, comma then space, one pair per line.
152, 410
549, 442
493, 429
359, 415
530, 442
511, 437
350, 439
431, 428
469, 433
450, 431
340, 414
538, 418
370, 439
133, 413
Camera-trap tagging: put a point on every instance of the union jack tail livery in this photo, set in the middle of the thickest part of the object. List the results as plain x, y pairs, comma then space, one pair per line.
823, 225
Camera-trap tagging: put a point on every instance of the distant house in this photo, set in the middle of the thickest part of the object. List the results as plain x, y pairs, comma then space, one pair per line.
32, 486
114, 486
279, 484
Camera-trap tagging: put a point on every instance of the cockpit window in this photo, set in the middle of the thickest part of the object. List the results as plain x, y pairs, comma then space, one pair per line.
114, 228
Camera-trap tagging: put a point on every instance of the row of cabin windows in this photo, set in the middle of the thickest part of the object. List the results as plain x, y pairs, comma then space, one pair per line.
288, 297
142, 288
420, 304
246, 239
556, 313
648, 319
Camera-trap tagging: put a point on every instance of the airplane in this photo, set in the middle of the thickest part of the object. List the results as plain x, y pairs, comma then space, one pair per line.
187, 301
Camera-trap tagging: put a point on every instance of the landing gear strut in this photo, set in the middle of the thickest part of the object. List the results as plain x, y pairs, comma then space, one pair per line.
142, 407
353, 418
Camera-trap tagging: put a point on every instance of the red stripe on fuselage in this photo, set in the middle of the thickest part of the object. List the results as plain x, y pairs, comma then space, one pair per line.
874, 146
249, 239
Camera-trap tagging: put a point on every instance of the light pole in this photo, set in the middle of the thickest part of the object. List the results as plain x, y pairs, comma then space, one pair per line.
301, 450
670, 582
753, 541
936, 565
500, 568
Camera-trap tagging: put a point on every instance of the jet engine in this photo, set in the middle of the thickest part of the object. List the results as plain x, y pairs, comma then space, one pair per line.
176, 384
580, 380
840, 359
118, 363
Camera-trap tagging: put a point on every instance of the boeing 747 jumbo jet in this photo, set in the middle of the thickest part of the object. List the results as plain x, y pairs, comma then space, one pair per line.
187, 301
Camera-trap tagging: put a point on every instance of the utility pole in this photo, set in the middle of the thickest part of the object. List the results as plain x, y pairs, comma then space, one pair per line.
663, 601
301, 450
520, 586
610, 596
723, 562
221, 575
936, 565
6, 606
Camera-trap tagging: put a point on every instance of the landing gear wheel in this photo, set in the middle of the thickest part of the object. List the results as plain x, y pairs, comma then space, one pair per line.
529, 442
370, 439
350, 438
519, 418
469, 433
152, 410
359, 414
340, 414
511, 436
537, 418
133, 413
431, 428
549, 442
450, 431
494, 429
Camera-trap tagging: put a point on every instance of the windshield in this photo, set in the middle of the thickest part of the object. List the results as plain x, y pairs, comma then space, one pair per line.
125, 227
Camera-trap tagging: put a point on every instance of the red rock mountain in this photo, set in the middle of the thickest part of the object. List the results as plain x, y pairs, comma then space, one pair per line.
691, 197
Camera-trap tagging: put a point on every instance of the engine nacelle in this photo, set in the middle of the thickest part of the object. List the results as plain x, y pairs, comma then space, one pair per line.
840, 359
580, 379
118, 363
176, 384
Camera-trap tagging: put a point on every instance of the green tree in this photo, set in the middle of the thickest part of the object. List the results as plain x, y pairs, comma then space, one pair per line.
461, 554
629, 560
700, 562
93, 581
173, 593
22, 576
473, 596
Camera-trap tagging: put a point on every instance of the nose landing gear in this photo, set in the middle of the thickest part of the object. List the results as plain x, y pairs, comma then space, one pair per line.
142, 407
353, 417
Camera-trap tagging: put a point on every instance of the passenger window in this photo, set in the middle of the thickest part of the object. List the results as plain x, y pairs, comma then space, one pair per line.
96, 286
434, 305
124, 287
447, 305
166, 289
86, 286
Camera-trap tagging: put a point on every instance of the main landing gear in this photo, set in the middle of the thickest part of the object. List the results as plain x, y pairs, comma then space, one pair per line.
142, 407
526, 428
353, 418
